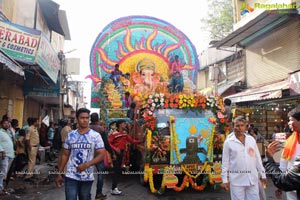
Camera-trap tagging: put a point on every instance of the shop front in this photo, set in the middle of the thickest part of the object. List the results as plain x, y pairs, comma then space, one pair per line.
267, 106
35, 60
11, 94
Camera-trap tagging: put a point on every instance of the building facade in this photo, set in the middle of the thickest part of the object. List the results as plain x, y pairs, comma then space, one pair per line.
269, 34
32, 32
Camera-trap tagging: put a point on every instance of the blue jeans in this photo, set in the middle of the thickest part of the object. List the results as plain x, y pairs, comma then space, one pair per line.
4, 167
100, 169
74, 188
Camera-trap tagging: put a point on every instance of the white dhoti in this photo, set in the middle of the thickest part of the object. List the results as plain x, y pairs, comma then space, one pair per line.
244, 192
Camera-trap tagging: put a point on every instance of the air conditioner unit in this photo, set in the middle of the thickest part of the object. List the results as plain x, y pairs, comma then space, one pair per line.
72, 66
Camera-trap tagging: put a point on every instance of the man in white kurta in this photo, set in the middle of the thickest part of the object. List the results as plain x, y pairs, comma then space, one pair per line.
241, 164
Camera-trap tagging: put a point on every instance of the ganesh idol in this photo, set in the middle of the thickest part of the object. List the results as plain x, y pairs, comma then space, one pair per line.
146, 79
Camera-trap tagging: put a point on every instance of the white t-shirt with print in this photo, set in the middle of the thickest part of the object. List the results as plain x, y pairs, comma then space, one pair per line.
82, 147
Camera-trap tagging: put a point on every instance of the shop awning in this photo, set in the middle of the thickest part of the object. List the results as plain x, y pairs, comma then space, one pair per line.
36, 86
270, 91
11, 64
257, 27
55, 18
225, 86
222, 88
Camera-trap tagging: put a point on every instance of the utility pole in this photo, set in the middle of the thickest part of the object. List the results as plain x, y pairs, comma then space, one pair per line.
63, 82
61, 57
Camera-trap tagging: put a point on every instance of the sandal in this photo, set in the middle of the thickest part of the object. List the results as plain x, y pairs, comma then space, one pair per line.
3, 193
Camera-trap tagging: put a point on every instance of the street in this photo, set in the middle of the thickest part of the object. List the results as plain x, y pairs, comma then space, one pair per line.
45, 189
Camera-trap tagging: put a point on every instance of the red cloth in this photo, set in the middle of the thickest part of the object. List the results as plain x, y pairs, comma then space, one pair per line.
118, 140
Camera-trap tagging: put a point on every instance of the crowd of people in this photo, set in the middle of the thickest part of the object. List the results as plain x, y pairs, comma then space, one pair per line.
19, 147
85, 149
243, 171
82, 150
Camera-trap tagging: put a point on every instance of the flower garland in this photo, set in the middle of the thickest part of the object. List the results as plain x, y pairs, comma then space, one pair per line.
195, 186
148, 171
188, 178
209, 152
180, 101
184, 184
194, 102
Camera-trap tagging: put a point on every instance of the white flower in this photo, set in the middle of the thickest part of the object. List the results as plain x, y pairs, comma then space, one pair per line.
156, 95
150, 96
153, 104
162, 100
150, 113
162, 94
162, 104
156, 99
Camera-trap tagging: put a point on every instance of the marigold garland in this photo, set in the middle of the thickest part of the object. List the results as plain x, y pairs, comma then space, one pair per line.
195, 186
188, 178
209, 155
148, 171
184, 184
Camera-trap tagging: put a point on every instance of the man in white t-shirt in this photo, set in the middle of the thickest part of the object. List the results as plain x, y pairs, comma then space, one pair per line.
83, 149
241, 163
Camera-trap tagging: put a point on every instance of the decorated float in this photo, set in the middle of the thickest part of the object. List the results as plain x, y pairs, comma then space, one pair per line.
183, 130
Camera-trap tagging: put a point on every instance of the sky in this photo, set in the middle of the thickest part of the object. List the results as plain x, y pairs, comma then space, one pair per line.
88, 18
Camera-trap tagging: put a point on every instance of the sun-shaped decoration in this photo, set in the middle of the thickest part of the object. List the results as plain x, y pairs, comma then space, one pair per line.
193, 129
129, 40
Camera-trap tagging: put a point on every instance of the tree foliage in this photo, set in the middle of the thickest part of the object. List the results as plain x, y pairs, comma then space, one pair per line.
219, 20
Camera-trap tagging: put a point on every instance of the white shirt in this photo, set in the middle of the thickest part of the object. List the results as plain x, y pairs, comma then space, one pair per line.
241, 163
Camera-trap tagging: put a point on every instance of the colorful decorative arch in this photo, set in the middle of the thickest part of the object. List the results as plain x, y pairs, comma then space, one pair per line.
128, 40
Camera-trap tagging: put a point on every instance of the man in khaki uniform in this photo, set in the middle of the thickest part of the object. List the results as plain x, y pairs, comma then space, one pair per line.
63, 134
32, 141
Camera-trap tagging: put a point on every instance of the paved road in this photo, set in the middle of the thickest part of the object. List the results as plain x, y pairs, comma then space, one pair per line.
130, 186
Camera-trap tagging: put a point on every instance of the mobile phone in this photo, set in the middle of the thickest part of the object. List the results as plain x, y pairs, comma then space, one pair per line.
281, 137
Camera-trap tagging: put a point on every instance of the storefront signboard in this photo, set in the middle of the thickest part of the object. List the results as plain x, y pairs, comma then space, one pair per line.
19, 42
294, 83
47, 59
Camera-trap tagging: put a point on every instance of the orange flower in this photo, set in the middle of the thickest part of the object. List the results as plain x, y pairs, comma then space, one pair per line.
168, 95
196, 102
